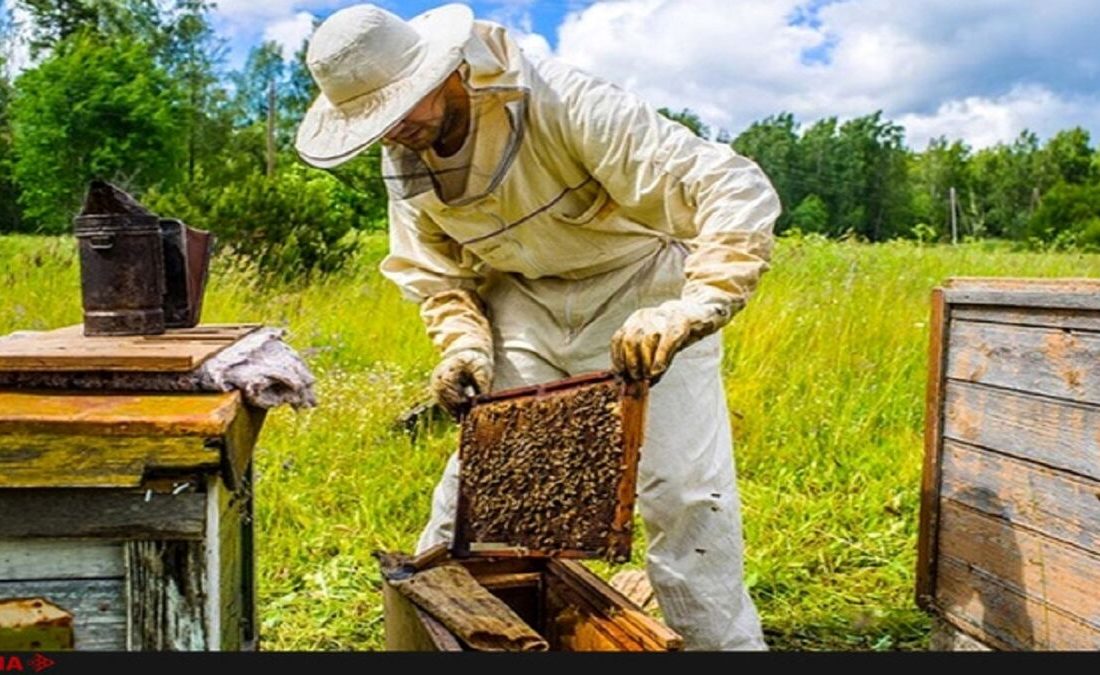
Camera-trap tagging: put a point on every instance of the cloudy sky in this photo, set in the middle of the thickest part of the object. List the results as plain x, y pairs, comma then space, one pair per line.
981, 70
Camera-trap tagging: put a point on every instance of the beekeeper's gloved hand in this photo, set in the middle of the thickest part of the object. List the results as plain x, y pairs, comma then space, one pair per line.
455, 373
643, 348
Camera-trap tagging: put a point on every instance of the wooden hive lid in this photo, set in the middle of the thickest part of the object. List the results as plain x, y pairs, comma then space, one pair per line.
177, 350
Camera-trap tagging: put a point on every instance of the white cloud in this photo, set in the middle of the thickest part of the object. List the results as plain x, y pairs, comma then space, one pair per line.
246, 11
986, 121
512, 13
290, 33
246, 22
533, 45
18, 56
984, 68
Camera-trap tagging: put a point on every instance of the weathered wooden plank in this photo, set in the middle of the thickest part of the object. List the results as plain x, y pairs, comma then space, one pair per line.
1044, 569
105, 514
25, 559
166, 585
933, 439
1073, 319
212, 560
575, 629
1078, 294
239, 442
615, 614
67, 349
1004, 618
1060, 506
1056, 433
1034, 284
98, 607
1058, 363
232, 568
249, 610
61, 461
206, 415
409, 629
501, 581
1075, 301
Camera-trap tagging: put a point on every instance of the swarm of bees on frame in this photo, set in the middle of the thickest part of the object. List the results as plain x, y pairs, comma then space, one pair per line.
544, 473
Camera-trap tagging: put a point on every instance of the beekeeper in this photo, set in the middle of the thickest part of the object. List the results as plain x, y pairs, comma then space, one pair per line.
550, 223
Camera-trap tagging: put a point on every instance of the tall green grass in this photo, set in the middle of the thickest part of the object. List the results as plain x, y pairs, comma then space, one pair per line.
825, 373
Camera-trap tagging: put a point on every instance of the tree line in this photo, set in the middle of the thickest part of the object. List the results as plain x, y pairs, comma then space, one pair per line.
136, 92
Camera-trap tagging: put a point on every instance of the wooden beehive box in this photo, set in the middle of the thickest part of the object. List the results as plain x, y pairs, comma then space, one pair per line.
550, 470
1009, 549
130, 512
573, 609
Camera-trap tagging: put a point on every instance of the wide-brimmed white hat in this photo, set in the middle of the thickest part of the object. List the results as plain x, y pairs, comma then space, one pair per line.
373, 68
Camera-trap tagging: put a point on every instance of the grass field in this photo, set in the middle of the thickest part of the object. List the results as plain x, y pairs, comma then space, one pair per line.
825, 372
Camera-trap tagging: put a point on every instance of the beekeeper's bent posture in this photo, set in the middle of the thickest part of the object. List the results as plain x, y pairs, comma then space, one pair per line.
550, 224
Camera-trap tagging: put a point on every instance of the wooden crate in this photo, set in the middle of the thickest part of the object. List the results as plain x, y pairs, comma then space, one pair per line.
573, 609
133, 514
496, 520
1009, 547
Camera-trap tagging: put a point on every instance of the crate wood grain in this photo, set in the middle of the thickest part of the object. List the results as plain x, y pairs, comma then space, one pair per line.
1009, 543
1057, 434
68, 350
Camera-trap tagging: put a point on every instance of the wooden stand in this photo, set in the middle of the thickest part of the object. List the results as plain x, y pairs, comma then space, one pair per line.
131, 513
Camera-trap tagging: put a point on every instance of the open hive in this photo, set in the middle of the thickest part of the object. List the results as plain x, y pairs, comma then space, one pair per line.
566, 605
550, 470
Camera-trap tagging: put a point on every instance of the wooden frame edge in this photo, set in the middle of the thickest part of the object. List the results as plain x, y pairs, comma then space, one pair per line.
939, 330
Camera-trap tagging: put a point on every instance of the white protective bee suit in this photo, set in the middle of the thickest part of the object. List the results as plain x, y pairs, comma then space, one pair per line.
582, 204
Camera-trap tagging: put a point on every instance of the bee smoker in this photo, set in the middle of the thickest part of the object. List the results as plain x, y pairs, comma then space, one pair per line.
139, 273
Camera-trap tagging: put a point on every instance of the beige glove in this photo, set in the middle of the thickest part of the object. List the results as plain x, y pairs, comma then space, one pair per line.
457, 325
458, 376
643, 348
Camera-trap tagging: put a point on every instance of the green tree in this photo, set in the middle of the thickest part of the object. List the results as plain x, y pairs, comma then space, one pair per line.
1068, 156
361, 188
292, 224
875, 198
1008, 182
191, 53
55, 21
263, 68
297, 93
179, 34
773, 144
689, 119
811, 215
1069, 215
942, 166
93, 110
9, 195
